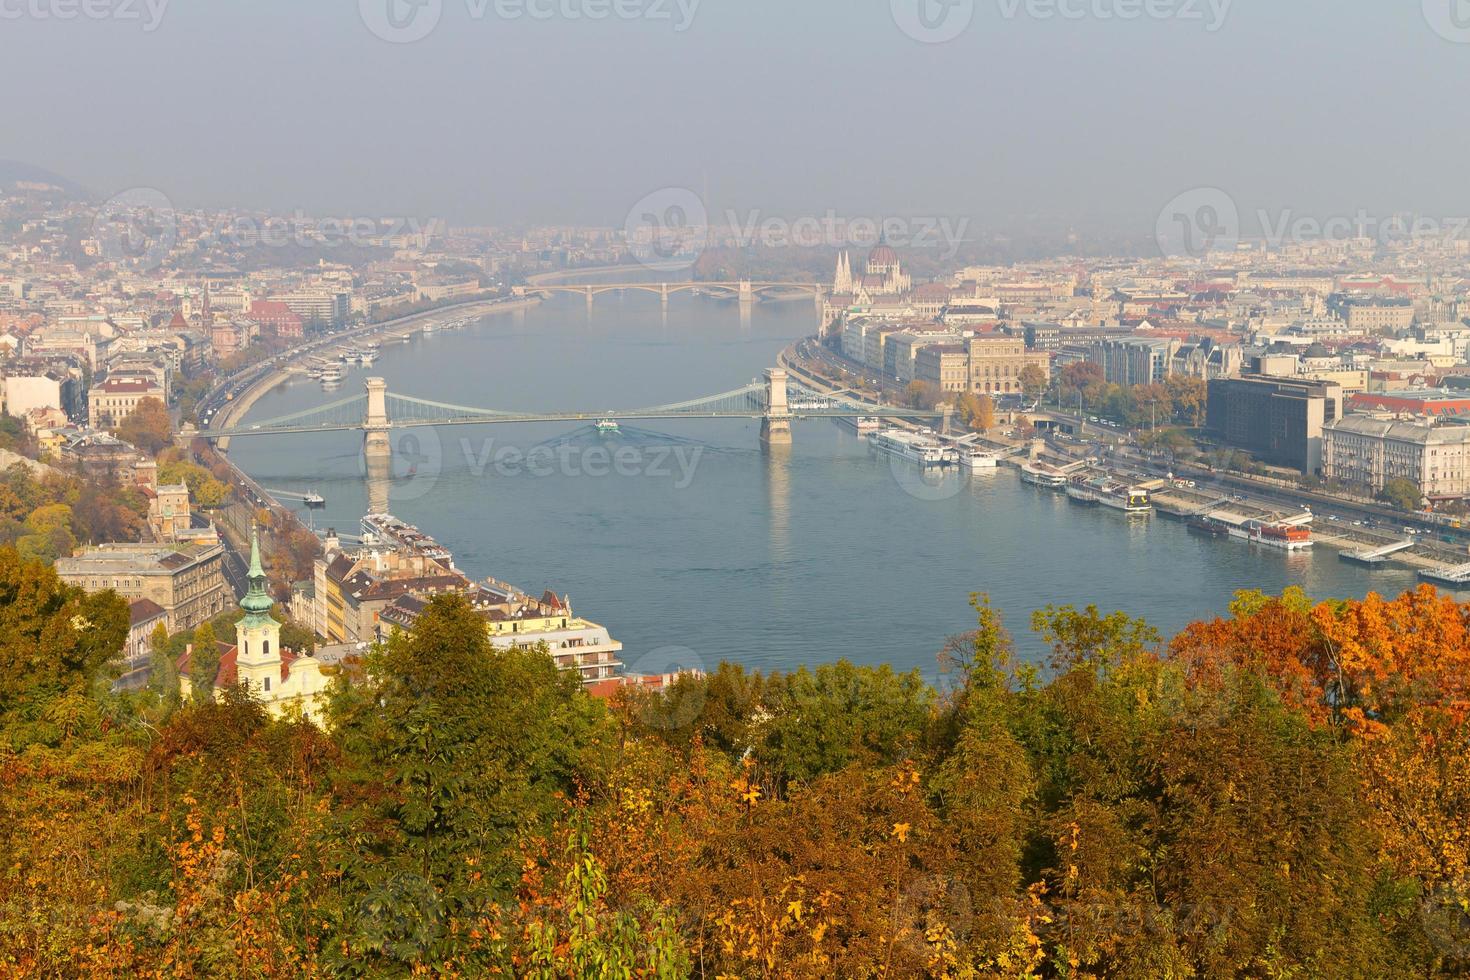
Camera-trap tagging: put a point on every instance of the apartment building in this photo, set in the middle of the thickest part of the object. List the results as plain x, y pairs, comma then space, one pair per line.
186, 581
1368, 451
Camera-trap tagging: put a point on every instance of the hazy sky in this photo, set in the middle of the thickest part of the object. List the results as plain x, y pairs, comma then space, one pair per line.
788, 107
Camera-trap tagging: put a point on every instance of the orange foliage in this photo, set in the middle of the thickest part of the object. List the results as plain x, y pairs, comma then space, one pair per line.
1361, 662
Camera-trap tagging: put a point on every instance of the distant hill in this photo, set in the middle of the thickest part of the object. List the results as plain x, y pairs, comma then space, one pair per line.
13, 172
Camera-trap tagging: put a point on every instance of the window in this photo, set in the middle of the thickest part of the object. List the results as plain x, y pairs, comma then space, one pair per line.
267, 680
267, 652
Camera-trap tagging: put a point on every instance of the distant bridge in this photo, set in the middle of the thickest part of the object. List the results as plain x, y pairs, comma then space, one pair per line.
744, 290
775, 401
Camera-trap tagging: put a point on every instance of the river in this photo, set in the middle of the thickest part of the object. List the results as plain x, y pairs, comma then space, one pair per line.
693, 546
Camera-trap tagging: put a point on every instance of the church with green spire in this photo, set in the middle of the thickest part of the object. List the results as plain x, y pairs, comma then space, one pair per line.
287, 683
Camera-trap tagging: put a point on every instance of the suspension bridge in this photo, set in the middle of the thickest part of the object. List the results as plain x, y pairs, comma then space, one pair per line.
776, 401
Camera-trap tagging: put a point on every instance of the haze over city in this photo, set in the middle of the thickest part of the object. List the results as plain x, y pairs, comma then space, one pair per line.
513, 113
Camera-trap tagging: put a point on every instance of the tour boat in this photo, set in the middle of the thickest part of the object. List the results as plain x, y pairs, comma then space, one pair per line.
979, 459
1080, 492
1042, 475
1287, 537
1120, 496
864, 424
607, 427
1208, 527
912, 446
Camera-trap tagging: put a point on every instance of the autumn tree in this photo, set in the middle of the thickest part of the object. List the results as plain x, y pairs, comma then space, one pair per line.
1033, 382
208, 492
922, 394
1188, 396
147, 426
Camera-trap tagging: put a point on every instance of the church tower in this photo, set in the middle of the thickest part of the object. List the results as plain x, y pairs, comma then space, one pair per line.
258, 635
842, 282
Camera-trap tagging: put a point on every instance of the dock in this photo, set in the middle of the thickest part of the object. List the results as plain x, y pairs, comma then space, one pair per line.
1376, 556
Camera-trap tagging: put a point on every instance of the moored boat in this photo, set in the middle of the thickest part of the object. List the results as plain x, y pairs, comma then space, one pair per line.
1042, 475
1287, 537
979, 459
915, 447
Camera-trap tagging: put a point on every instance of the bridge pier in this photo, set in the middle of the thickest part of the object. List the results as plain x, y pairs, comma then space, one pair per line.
663, 295
588, 291
776, 426
376, 443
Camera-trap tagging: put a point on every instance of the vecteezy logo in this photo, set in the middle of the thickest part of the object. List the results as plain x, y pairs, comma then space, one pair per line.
1198, 222
682, 703
932, 21
668, 229
409, 472
137, 227
1445, 915
928, 483
1450, 19
401, 21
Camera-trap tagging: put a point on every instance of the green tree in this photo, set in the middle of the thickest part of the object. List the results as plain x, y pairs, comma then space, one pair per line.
1403, 493
594, 940
147, 426
208, 492
203, 663
472, 746
54, 642
839, 714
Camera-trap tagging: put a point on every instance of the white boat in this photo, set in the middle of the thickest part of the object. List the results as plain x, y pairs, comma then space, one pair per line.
1080, 493
430, 327
1090, 490
607, 427
979, 459
1042, 475
916, 447
1287, 537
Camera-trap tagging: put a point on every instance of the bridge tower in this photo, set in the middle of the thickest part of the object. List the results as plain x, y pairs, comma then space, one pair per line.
747, 294
375, 423
776, 426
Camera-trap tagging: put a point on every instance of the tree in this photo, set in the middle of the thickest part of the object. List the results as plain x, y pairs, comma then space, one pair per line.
983, 418
457, 749
203, 663
922, 394
1151, 402
1033, 382
54, 641
208, 492
1188, 397
976, 411
1080, 381
1403, 493
147, 426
